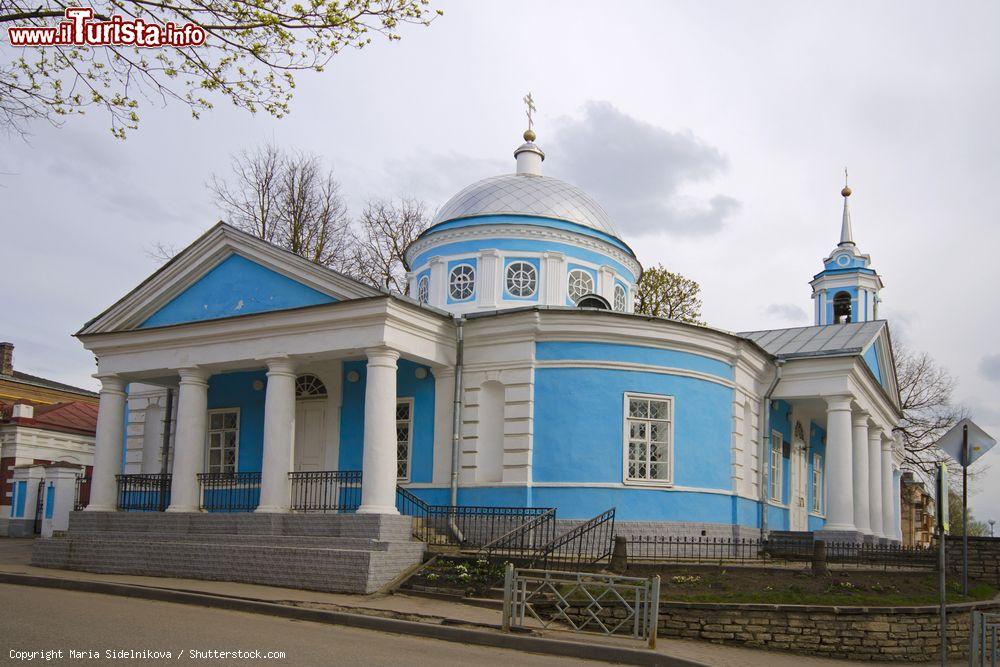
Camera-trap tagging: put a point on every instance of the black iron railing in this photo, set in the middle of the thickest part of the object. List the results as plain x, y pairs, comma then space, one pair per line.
142, 493
526, 540
326, 490
81, 497
468, 527
229, 491
672, 549
589, 542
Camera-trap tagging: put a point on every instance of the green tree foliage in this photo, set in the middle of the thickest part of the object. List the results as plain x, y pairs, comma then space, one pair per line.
976, 528
252, 51
662, 293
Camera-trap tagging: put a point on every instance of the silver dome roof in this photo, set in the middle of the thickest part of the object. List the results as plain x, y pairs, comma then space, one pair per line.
527, 194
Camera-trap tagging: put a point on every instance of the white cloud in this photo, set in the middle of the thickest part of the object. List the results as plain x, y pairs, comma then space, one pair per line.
788, 312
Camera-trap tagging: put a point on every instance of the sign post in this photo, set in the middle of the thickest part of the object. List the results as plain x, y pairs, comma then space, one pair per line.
965, 443
942, 530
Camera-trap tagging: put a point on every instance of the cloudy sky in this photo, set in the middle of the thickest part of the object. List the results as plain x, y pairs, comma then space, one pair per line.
715, 133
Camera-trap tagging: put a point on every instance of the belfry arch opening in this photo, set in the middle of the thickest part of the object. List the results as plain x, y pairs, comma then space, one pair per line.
842, 308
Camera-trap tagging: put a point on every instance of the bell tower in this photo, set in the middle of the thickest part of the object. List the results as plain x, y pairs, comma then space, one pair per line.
847, 289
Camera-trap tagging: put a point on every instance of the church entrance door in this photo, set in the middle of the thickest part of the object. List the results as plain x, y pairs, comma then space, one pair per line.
310, 435
799, 514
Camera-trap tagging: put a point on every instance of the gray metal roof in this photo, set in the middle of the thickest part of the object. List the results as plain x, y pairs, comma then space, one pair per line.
818, 341
527, 194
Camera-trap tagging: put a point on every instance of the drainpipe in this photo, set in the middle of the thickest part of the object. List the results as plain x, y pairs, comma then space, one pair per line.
765, 453
456, 432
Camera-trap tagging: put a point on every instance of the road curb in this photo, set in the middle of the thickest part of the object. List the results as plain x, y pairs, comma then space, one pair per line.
519, 642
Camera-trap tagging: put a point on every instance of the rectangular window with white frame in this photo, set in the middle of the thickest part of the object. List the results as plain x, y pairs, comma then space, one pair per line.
817, 484
776, 467
223, 440
649, 439
404, 437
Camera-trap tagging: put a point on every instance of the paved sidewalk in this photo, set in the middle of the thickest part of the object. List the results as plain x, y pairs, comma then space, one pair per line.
15, 556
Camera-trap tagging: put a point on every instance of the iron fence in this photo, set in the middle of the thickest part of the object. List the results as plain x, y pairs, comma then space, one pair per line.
81, 496
529, 538
582, 602
672, 549
143, 493
229, 491
326, 490
589, 542
464, 526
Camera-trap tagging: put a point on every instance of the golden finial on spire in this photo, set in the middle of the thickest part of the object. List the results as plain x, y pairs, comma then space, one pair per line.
529, 134
846, 192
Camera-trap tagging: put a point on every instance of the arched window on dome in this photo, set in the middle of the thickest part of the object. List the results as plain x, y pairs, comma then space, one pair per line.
522, 279
309, 386
580, 284
621, 299
462, 282
423, 289
842, 308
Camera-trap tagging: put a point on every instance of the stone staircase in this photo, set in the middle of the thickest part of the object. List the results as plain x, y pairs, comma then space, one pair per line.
345, 553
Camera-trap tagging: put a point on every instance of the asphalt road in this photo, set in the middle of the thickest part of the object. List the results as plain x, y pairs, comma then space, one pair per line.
41, 619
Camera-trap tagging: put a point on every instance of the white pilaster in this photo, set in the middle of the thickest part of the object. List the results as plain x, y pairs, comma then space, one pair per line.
189, 447
839, 465
378, 476
279, 436
554, 276
875, 480
488, 292
606, 283
890, 522
862, 514
438, 283
108, 445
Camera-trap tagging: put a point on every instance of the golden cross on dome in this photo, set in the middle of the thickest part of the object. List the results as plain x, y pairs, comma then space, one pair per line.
530, 103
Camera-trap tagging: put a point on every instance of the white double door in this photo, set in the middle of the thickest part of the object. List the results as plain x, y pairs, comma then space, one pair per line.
799, 510
310, 435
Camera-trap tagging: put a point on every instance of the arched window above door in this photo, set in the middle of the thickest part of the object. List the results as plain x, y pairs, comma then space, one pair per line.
309, 386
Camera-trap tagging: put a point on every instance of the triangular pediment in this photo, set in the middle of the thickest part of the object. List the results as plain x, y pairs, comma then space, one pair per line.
226, 273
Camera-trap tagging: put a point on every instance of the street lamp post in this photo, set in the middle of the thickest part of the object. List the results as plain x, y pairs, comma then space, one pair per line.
992, 522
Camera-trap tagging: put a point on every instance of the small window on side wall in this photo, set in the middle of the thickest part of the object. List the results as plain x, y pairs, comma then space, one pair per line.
776, 467
649, 424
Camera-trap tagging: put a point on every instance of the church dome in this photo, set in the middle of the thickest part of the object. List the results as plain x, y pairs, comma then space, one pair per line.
527, 194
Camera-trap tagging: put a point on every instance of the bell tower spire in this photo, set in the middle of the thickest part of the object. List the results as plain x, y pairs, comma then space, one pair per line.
847, 289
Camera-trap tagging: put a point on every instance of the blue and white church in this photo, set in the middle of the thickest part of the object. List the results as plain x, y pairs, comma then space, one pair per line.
514, 373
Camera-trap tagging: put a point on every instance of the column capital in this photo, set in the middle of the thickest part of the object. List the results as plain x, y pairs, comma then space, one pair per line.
193, 375
838, 403
382, 356
112, 384
489, 252
860, 419
874, 432
436, 259
280, 366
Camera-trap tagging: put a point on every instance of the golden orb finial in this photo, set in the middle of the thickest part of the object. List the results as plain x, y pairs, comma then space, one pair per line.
846, 192
529, 135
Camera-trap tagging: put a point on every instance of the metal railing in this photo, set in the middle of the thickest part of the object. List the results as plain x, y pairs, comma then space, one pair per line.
528, 539
984, 639
582, 602
143, 493
326, 490
468, 527
229, 491
671, 549
81, 496
589, 542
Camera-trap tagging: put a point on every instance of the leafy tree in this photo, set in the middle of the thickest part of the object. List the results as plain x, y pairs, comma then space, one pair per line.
250, 56
662, 293
976, 528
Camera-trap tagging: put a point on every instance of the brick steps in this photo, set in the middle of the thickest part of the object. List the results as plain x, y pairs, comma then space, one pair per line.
297, 541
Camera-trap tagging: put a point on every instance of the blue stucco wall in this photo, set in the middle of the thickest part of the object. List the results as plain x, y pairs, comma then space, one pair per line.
235, 390
50, 500
352, 418
579, 434
871, 358
20, 497
237, 286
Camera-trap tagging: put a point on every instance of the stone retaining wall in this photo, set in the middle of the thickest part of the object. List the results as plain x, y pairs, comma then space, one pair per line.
984, 557
900, 634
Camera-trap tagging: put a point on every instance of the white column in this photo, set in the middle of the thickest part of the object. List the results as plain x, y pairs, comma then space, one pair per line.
378, 469
839, 457
890, 522
189, 441
862, 516
108, 445
875, 480
279, 436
